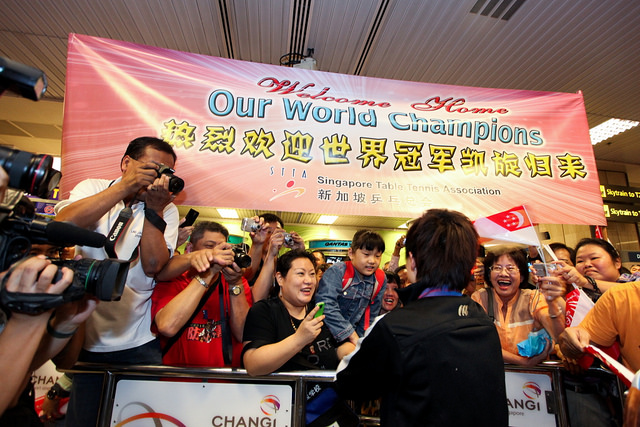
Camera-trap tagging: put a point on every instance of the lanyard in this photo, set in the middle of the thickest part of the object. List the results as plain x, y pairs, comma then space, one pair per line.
439, 292
121, 224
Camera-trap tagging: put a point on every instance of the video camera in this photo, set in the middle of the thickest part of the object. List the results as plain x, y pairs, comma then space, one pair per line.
20, 227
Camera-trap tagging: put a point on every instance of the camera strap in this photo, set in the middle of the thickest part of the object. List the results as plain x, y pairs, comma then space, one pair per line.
121, 224
171, 341
227, 347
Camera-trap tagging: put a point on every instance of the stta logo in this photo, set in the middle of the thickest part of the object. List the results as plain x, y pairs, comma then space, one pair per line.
270, 404
531, 390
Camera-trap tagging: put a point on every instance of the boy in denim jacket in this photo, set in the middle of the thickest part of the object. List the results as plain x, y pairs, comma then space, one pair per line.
352, 290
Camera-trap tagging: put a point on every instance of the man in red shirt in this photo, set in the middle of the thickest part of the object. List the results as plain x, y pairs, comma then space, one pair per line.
201, 301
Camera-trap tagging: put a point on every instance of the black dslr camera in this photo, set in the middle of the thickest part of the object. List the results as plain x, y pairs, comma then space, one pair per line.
240, 256
176, 184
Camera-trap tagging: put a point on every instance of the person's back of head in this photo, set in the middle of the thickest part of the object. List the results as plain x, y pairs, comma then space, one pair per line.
443, 246
367, 239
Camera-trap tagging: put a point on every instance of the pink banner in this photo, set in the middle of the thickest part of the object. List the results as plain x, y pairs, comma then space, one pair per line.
267, 137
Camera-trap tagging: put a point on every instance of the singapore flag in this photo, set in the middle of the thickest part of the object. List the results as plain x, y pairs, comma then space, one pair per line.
512, 226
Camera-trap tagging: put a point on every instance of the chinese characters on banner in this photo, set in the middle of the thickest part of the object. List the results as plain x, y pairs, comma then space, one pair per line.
267, 137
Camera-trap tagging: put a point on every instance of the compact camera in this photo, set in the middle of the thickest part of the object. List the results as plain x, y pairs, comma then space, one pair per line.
176, 184
288, 240
543, 270
248, 224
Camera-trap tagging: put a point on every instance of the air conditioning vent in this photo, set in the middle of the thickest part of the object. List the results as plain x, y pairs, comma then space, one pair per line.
502, 9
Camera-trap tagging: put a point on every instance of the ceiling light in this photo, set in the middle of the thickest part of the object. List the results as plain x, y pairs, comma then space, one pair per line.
327, 219
610, 128
228, 213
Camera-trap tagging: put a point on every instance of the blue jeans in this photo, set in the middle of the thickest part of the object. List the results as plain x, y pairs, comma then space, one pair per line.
86, 392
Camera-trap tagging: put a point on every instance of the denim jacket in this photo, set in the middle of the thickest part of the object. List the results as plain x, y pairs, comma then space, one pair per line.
344, 310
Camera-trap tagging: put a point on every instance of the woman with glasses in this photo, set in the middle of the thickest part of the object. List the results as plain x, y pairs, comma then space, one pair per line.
516, 311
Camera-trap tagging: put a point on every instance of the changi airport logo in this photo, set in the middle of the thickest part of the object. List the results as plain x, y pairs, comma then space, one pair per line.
519, 407
270, 405
149, 414
531, 390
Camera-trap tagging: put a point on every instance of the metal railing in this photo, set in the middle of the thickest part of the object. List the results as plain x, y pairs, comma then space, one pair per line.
298, 381
113, 373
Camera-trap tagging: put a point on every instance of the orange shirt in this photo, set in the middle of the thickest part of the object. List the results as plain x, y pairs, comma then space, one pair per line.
523, 311
612, 319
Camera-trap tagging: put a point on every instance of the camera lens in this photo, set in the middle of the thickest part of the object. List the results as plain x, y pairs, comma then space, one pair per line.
105, 279
176, 184
28, 172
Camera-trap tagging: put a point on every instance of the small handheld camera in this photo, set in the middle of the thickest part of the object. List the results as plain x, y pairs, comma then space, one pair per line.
288, 240
543, 270
248, 224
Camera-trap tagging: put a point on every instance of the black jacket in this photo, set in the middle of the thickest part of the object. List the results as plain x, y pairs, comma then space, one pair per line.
435, 362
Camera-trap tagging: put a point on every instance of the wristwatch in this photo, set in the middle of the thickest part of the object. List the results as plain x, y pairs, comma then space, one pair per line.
56, 392
235, 290
201, 281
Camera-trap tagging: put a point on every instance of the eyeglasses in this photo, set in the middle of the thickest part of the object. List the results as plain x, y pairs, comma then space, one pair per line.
511, 269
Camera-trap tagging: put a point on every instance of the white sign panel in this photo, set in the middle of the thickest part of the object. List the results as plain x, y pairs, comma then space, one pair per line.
140, 403
527, 400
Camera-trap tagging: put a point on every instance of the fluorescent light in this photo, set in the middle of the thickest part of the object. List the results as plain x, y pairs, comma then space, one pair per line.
228, 213
327, 219
610, 128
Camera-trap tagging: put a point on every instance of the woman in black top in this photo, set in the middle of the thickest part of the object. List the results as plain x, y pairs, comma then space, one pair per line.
281, 334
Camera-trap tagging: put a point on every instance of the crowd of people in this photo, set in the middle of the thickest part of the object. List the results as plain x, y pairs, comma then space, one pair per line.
453, 314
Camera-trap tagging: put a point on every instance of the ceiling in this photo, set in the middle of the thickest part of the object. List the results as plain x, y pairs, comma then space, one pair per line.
542, 45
